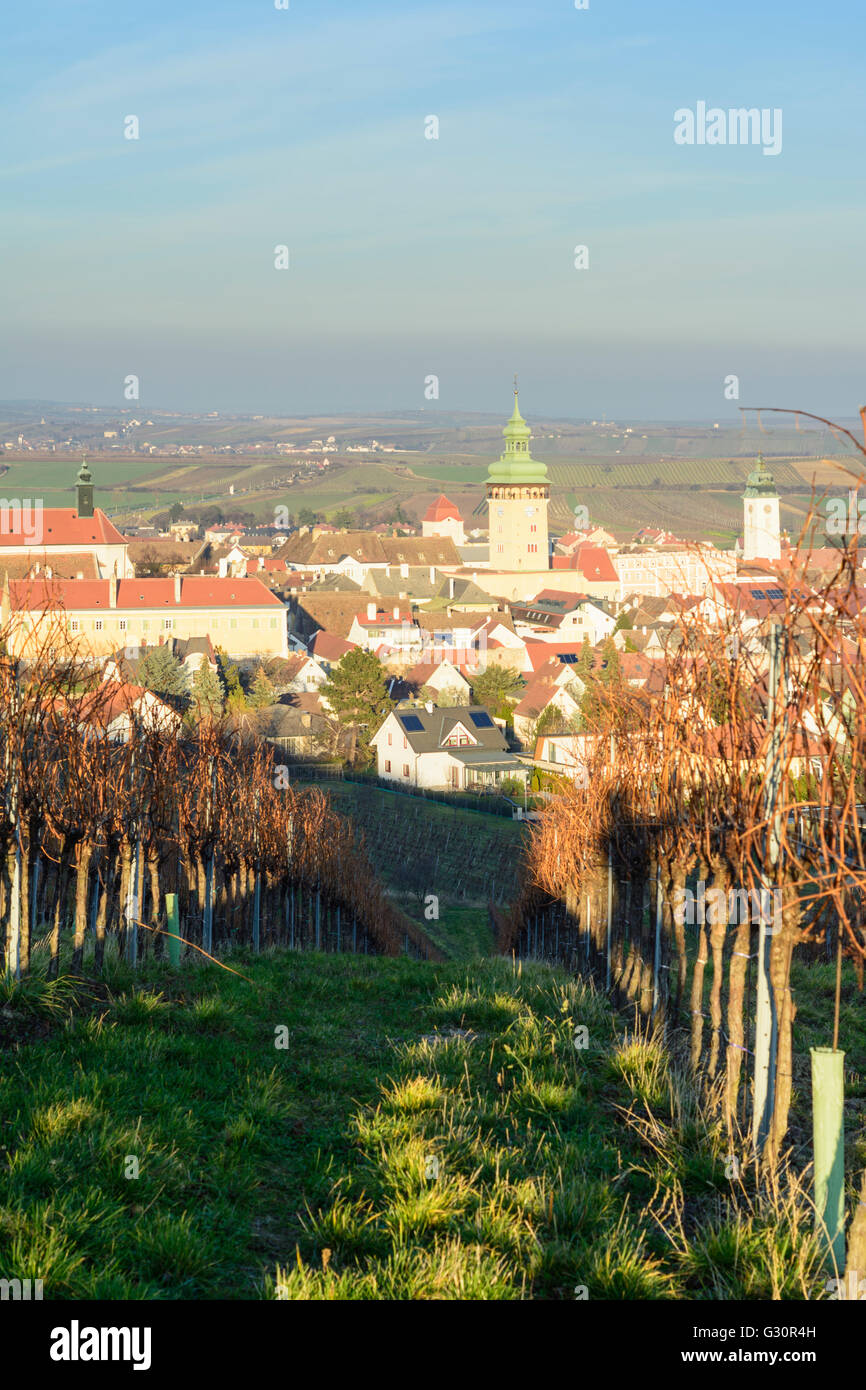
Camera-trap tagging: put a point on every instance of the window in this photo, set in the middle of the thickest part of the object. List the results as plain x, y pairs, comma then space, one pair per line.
389, 740
405, 769
145, 624
75, 625
168, 624
121, 623
273, 622
405, 744
97, 624
387, 764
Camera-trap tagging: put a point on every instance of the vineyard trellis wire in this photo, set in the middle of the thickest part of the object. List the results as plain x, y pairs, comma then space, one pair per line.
95, 833
742, 783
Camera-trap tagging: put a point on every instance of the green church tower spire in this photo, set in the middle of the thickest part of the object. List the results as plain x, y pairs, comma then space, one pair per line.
516, 465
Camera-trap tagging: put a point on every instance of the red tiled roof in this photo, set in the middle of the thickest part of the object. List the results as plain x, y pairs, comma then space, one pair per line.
441, 510
329, 646
592, 561
541, 652
196, 591
63, 526
383, 618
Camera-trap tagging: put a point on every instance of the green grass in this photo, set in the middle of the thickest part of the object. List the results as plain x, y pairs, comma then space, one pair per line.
427, 1132
418, 846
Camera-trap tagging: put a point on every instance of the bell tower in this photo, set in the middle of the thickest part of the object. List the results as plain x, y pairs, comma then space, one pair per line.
518, 493
84, 490
761, 525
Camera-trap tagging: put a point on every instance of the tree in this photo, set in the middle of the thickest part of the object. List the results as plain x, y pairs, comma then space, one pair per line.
306, 517
207, 692
355, 691
163, 673
176, 511
625, 620
493, 687
261, 691
611, 672
449, 697
230, 677
584, 663
345, 518
151, 564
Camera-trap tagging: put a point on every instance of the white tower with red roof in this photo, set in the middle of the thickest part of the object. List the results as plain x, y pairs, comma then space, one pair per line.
444, 520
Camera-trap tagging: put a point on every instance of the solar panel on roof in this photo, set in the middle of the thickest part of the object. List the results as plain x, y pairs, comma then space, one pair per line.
482, 720
775, 593
758, 593
567, 658
411, 723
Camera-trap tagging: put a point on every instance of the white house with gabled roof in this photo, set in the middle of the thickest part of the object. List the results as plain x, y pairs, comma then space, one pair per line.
459, 749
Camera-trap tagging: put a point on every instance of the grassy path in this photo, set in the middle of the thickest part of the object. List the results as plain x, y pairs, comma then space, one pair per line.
427, 1131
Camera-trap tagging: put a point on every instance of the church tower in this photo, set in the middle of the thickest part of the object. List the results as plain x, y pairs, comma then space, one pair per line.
518, 492
761, 526
84, 490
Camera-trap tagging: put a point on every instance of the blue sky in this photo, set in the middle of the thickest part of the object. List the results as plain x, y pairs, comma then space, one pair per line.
411, 257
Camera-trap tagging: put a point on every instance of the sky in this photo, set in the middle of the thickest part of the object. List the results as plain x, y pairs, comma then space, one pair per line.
412, 258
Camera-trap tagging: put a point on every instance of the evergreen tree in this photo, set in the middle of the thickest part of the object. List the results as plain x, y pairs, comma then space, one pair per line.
230, 677
492, 688
207, 691
261, 691
163, 673
355, 691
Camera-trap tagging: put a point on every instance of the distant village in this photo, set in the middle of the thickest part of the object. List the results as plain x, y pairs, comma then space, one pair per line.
462, 658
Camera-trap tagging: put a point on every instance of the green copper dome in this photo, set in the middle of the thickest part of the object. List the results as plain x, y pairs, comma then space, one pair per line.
517, 464
760, 482
84, 474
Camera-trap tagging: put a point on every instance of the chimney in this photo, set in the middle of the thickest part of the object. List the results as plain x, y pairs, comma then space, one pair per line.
371, 612
428, 705
223, 567
397, 614
261, 562
432, 574
112, 591
451, 587
177, 588
404, 571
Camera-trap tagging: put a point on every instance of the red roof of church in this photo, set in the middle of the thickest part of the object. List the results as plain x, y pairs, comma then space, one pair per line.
63, 526
442, 510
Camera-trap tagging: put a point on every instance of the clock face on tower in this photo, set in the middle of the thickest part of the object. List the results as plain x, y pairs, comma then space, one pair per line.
500, 511
530, 511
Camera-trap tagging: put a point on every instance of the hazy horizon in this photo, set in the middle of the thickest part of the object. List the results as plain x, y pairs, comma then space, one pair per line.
412, 257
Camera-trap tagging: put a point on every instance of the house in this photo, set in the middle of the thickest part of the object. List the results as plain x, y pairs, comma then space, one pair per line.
544, 697
595, 568
96, 616
117, 709
297, 726
565, 755
555, 615
395, 631
442, 518
440, 676
301, 672
458, 749
329, 649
